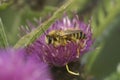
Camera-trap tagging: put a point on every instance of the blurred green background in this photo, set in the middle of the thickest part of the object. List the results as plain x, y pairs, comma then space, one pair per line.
102, 62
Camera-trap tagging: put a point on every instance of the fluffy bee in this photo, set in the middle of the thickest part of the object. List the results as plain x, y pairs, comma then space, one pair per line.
62, 37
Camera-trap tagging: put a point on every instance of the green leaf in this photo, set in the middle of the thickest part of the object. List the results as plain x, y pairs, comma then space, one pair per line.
3, 38
103, 20
115, 75
29, 38
92, 57
5, 5
104, 15
106, 12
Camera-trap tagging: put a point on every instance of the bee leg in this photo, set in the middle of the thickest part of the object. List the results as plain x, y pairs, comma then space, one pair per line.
83, 44
79, 48
77, 41
71, 72
78, 52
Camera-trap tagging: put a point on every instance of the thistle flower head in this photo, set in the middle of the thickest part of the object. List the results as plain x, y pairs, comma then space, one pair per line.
70, 50
14, 66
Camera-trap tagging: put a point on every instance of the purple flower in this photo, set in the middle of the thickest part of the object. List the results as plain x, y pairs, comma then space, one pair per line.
61, 55
14, 65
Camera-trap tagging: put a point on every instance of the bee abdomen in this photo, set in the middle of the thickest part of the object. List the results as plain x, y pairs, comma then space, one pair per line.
82, 35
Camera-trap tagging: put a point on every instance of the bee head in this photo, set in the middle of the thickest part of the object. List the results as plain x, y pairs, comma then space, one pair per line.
48, 39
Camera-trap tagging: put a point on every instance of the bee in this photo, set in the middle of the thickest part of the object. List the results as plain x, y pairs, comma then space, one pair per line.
62, 37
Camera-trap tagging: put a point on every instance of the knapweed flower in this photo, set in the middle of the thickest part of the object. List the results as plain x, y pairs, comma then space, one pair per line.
61, 55
14, 66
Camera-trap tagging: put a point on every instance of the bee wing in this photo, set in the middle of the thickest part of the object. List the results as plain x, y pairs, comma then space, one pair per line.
68, 32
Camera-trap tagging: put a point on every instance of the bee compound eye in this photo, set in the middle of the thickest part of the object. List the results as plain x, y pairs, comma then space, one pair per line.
49, 40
